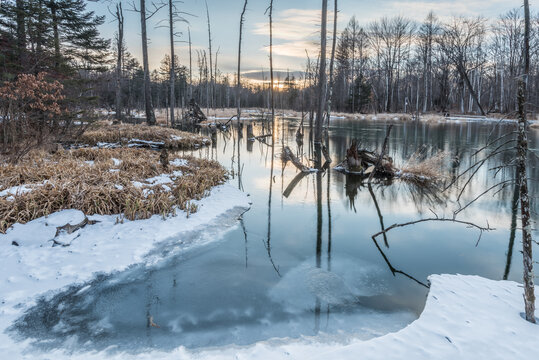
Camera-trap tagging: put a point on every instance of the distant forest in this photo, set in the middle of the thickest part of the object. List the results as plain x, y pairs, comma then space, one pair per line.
464, 64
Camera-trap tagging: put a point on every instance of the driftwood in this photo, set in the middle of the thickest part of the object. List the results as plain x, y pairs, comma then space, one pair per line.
381, 156
194, 114
250, 133
325, 152
288, 155
163, 159
70, 229
364, 162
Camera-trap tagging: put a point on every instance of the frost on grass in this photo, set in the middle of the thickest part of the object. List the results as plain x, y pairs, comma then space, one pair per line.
102, 181
125, 134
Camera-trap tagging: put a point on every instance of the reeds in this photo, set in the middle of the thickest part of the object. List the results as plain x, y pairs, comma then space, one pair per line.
425, 169
102, 181
122, 134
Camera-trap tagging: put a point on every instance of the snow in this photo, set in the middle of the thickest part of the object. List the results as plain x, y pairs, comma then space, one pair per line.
465, 317
17, 190
35, 267
179, 162
161, 179
20, 190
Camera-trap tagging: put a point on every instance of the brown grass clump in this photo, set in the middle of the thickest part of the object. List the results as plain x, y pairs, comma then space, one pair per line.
122, 134
428, 169
104, 182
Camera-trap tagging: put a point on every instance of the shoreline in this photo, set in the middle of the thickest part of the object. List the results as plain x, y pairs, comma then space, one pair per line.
36, 268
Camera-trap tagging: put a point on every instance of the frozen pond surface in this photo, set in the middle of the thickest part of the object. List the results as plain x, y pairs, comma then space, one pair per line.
301, 263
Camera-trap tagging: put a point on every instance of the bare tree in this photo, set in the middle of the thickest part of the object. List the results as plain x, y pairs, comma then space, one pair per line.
190, 65
427, 32
461, 38
211, 56
391, 39
238, 85
332, 61
144, 16
270, 10
522, 155
119, 16
172, 100
322, 83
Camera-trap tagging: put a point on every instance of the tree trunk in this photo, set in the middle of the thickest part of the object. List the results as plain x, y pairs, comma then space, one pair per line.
120, 43
172, 64
211, 90
150, 115
21, 32
271, 61
466, 79
190, 66
238, 85
322, 85
56, 34
522, 154
332, 61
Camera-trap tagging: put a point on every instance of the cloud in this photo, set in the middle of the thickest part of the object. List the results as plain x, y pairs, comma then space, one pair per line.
291, 24
294, 31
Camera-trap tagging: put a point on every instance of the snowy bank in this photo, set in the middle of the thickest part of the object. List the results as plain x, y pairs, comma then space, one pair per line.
465, 317
31, 266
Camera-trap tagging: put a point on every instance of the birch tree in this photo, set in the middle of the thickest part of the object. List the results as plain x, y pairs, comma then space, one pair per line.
522, 155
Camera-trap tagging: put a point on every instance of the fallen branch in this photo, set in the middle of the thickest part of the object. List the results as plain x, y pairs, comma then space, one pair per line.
288, 155
470, 224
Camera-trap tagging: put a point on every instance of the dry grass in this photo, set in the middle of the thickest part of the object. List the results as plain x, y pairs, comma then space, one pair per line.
95, 182
535, 126
420, 169
172, 138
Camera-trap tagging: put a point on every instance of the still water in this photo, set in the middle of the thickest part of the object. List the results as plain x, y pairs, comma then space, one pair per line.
301, 263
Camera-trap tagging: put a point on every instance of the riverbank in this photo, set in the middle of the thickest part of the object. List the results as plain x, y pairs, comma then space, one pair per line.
465, 317
36, 267
224, 114
126, 182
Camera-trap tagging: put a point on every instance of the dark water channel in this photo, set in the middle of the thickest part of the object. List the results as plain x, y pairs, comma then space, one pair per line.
301, 263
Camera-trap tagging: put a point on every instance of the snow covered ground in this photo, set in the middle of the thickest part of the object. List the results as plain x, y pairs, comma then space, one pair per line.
465, 317
31, 266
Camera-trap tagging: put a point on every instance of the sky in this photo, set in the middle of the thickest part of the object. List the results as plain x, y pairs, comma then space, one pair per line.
296, 27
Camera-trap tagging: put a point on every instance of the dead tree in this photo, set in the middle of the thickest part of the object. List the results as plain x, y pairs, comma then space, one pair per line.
270, 10
332, 60
459, 39
173, 16
172, 100
190, 65
238, 85
322, 84
119, 56
288, 155
211, 57
144, 16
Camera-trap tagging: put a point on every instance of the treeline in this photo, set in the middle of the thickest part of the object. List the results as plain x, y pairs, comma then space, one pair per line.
469, 65
466, 65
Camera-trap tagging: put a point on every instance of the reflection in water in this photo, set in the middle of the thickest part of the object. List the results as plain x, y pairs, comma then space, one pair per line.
270, 192
231, 291
514, 211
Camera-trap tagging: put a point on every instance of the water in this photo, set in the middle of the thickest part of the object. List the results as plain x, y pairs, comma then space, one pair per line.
301, 263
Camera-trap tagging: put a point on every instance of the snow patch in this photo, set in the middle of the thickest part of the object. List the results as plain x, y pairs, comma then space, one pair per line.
35, 267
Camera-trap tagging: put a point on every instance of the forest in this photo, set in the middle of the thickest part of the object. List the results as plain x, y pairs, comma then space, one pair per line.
460, 65
207, 179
